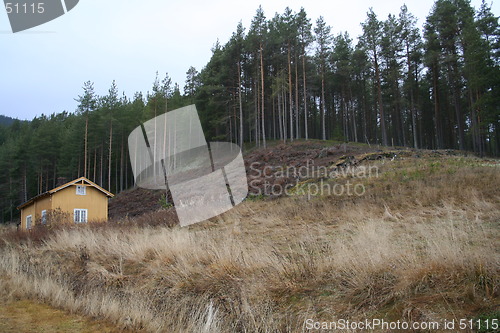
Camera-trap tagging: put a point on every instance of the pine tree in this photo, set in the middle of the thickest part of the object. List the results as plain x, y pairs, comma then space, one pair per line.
372, 39
257, 34
412, 45
341, 60
305, 38
392, 59
192, 82
87, 103
323, 41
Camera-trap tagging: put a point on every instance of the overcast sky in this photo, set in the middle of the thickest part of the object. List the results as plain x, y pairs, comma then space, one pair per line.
42, 70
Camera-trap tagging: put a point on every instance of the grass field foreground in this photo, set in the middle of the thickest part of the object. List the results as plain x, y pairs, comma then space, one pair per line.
422, 243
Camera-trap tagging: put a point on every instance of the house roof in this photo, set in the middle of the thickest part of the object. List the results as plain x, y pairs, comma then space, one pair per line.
35, 198
59, 188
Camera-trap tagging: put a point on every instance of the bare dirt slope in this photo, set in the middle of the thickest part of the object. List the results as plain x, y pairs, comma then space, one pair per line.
262, 166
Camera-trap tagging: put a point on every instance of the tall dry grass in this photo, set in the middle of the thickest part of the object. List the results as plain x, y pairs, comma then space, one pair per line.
426, 248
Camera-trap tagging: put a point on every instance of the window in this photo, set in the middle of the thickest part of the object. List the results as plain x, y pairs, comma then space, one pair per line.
81, 190
80, 215
29, 219
44, 217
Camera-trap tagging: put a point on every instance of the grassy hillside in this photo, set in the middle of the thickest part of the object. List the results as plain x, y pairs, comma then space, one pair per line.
419, 244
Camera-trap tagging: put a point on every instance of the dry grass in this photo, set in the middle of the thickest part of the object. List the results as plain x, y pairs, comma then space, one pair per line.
7, 228
19, 314
421, 244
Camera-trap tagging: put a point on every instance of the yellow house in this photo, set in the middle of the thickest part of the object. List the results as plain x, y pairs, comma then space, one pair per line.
81, 200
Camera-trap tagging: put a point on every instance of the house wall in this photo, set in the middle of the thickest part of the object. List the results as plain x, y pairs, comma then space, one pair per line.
42, 204
35, 210
94, 201
26, 211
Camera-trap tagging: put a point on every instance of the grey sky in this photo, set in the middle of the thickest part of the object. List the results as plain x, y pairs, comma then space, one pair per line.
43, 69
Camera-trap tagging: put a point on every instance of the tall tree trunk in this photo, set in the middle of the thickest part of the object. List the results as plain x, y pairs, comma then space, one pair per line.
345, 114
380, 104
116, 175
101, 176
459, 118
456, 102
414, 122
412, 101
437, 120
95, 164
126, 169
25, 183
40, 180
400, 132
280, 118
297, 127
285, 108
235, 125
323, 107
86, 143
306, 133
230, 137
365, 120
473, 128
480, 137
110, 152
257, 114
121, 166
263, 101
240, 105
274, 118
354, 122
11, 204
54, 180
290, 95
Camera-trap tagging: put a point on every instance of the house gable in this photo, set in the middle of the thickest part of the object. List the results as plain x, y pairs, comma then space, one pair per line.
95, 201
82, 181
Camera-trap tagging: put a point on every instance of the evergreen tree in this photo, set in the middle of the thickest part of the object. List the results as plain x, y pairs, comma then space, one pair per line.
372, 40
87, 103
192, 82
305, 38
257, 37
412, 50
323, 41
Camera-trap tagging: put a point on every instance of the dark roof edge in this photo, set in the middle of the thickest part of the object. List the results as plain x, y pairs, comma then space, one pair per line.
44, 194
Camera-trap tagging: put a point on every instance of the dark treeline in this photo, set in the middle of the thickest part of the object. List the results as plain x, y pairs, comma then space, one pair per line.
6, 121
286, 79
398, 85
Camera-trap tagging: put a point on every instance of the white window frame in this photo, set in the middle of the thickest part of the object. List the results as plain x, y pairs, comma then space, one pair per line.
81, 190
29, 219
77, 215
44, 217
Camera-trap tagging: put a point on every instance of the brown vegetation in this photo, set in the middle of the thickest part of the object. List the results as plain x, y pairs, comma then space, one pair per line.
420, 244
